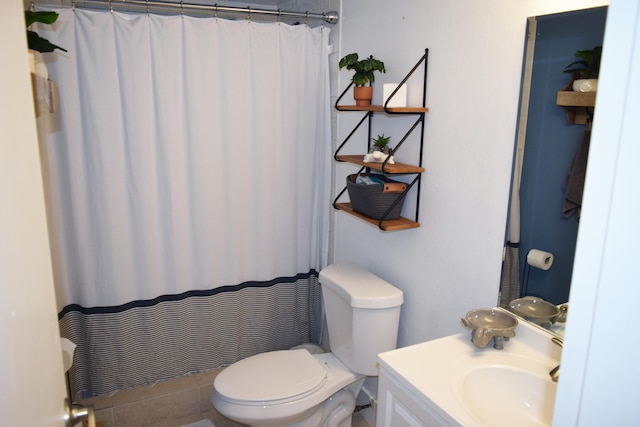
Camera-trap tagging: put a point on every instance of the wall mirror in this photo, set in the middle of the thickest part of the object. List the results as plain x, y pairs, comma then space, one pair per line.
550, 159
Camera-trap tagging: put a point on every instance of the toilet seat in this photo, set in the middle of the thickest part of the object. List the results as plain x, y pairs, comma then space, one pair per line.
271, 378
336, 376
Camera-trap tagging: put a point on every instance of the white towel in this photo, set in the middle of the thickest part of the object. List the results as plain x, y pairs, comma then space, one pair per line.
574, 182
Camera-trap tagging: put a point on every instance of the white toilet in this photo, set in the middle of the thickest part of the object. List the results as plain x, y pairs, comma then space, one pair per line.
296, 388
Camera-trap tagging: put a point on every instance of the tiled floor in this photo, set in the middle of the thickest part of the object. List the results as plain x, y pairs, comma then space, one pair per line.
169, 403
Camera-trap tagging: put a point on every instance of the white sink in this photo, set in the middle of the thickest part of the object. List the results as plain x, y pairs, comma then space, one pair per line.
462, 385
505, 389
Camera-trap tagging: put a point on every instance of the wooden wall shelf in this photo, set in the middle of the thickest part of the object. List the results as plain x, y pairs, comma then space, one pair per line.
396, 168
381, 109
386, 225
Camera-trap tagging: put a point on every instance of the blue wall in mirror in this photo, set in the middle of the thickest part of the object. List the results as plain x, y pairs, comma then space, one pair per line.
551, 144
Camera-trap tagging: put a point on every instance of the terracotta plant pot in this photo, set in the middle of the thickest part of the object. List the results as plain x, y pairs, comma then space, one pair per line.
363, 95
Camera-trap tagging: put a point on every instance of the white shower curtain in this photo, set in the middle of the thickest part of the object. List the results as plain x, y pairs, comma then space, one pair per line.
188, 154
191, 153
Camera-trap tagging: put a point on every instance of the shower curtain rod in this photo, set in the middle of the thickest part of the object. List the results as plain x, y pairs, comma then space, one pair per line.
182, 7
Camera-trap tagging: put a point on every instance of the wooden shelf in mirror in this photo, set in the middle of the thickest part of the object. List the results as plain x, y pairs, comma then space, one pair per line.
396, 168
388, 225
569, 98
575, 104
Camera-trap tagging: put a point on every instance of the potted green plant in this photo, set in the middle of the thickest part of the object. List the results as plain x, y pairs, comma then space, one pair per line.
380, 151
380, 144
363, 76
585, 70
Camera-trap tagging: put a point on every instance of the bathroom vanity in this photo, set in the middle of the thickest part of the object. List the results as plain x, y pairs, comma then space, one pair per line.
451, 382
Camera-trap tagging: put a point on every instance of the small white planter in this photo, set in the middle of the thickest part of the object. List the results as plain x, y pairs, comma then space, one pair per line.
585, 85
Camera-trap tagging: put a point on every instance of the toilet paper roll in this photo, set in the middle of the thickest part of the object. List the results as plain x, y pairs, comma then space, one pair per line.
540, 259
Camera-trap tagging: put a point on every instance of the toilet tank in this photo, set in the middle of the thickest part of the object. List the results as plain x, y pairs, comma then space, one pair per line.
363, 314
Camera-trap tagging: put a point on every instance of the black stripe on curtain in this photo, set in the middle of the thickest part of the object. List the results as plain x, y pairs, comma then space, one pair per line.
142, 342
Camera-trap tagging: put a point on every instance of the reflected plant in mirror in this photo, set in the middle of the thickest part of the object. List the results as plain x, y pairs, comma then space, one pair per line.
588, 64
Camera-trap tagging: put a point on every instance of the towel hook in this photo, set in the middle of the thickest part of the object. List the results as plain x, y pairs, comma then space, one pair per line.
589, 120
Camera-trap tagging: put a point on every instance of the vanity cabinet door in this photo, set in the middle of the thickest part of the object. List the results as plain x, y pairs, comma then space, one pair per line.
397, 407
397, 414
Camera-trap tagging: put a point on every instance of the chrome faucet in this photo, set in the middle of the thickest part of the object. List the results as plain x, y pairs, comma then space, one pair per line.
555, 372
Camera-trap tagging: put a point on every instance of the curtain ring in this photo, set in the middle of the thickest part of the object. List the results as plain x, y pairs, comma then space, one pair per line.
306, 20
73, 5
33, 6
110, 6
249, 14
181, 7
146, 2
215, 11
279, 15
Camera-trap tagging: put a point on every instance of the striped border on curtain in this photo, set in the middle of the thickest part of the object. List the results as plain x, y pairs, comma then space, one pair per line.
510, 280
143, 342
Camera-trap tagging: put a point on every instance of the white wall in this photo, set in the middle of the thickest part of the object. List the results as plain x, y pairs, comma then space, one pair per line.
473, 91
452, 263
30, 360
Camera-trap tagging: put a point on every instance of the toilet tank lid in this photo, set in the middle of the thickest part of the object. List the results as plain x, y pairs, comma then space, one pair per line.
360, 287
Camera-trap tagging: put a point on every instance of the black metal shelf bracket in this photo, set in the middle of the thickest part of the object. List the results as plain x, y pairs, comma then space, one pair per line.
397, 200
400, 197
335, 201
368, 115
336, 105
425, 59
392, 151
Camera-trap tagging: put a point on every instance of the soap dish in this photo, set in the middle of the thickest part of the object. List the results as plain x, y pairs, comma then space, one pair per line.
486, 324
536, 310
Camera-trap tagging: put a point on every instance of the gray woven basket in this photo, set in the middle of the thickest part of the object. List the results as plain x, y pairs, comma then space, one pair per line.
373, 200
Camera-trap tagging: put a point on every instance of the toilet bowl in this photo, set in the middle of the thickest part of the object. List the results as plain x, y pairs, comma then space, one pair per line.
295, 388
287, 388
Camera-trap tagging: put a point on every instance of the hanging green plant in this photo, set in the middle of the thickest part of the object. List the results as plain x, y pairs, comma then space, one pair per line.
34, 41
